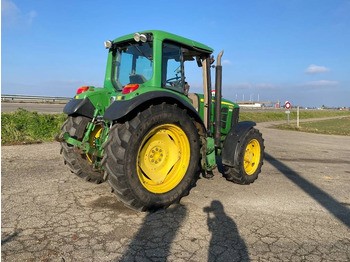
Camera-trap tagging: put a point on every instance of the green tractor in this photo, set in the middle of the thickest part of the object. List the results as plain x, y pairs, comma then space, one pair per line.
146, 134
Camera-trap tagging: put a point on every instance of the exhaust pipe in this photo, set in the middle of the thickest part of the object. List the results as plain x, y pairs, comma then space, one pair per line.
218, 94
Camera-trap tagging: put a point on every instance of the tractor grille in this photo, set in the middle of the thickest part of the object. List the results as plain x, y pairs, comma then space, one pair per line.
224, 115
235, 116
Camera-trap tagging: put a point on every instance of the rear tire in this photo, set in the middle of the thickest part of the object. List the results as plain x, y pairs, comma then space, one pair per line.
79, 164
152, 160
250, 159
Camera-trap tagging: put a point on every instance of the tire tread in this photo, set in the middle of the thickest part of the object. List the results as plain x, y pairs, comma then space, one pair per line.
116, 159
236, 174
75, 126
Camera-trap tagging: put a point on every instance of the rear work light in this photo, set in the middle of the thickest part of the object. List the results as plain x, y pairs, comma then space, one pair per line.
82, 89
129, 88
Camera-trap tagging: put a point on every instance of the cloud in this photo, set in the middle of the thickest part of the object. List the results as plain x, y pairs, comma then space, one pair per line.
247, 85
240, 85
265, 85
226, 62
30, 16
12, 16
321, 83
315, 69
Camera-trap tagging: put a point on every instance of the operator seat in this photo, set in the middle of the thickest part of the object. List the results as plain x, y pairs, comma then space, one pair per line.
194, 100
137, 79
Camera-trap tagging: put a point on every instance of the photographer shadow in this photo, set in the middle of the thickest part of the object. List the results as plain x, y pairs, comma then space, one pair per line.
226, 243
154, 239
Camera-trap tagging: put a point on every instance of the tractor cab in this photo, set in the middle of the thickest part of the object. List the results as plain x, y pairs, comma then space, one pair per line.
175, 59
154, 59
154, 65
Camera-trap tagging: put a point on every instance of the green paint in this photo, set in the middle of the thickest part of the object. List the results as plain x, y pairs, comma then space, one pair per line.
226, 120
210, 154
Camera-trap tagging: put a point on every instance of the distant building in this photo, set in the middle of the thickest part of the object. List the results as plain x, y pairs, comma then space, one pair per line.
258, 104
249, 104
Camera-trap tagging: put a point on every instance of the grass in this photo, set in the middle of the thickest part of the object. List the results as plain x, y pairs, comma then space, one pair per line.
330, 126
24, 127
281, 115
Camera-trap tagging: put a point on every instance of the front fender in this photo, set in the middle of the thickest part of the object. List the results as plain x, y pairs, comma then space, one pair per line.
233, 140
82, 107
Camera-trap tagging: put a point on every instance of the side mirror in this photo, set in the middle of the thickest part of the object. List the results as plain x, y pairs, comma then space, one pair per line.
199, 61
212, 60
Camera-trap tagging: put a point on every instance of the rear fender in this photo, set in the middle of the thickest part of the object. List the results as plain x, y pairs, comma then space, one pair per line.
82, 107
121, 108
233, 140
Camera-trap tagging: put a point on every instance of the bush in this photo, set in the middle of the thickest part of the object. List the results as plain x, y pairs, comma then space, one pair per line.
23, 127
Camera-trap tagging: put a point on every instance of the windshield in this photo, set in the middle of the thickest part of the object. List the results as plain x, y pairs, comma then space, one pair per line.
133, 64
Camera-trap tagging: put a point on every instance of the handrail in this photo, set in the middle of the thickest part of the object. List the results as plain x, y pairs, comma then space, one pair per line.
33, 99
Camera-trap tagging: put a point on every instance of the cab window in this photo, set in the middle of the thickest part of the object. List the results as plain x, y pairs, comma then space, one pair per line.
133, 64
172, 67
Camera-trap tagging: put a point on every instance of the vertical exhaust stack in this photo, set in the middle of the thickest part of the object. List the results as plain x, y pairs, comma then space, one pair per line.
207, 94
218, 94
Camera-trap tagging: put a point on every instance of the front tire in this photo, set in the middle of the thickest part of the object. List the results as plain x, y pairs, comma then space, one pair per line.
250, 159
152, 160
80, 164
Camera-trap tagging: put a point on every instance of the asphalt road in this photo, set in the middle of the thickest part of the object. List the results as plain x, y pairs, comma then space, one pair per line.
298, 210
47, 108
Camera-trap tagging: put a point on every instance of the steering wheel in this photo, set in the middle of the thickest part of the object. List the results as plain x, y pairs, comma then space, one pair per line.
174, 81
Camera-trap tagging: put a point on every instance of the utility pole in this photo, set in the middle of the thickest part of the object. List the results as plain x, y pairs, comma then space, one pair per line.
298, 116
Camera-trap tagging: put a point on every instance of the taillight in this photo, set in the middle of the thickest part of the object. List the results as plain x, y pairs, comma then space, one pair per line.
82, 89
129, 88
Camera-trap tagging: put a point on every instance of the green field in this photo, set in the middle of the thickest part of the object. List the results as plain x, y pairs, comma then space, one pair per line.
24, 127
281, 115
339, 126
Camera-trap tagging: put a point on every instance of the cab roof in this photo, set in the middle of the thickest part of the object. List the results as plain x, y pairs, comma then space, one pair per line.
162, 35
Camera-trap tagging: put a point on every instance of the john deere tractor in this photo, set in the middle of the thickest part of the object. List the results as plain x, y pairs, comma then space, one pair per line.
146, 134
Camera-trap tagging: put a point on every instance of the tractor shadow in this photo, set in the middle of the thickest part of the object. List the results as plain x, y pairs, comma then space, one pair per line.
10, 238
334, 207
337, 209
225, 244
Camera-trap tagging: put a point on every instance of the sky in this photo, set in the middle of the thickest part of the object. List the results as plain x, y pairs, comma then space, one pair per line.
274, 50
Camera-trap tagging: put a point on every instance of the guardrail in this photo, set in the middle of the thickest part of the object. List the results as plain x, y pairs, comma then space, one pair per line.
34, 99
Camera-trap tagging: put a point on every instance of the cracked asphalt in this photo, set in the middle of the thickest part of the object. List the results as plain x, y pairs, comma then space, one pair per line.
298, 210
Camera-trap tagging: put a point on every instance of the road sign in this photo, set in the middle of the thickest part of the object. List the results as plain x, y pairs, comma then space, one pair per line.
287, 105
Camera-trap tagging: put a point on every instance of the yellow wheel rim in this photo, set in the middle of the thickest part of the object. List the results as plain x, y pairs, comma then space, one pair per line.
163, 158
93, 135
252, 157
